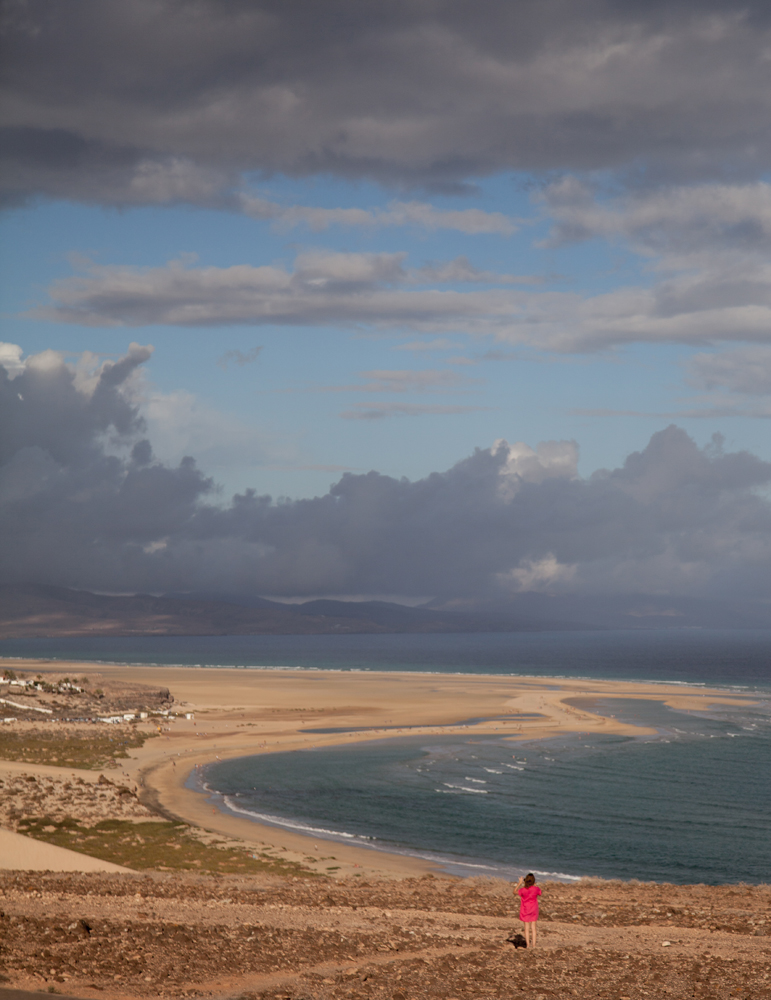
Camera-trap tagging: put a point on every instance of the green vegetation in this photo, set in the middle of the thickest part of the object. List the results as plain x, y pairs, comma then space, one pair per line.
91, 749
160, 845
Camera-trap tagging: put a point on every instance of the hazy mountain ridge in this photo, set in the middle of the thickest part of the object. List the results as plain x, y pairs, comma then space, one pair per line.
45, 611
38, 611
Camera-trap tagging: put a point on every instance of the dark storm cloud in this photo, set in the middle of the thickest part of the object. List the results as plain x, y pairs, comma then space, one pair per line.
84, 504
42, 408
152, 101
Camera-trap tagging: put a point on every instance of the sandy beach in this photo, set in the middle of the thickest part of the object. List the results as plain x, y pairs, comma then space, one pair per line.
21, 853
380, 926
239, 712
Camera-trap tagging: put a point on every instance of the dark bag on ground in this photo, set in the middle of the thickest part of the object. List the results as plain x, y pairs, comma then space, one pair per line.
518, 940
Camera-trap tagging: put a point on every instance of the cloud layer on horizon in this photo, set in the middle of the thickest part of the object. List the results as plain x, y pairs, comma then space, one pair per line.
85, 504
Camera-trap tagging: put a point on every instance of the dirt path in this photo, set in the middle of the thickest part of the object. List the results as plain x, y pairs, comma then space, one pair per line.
270, 937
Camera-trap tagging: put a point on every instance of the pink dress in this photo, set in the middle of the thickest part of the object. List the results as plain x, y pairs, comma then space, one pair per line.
528, 909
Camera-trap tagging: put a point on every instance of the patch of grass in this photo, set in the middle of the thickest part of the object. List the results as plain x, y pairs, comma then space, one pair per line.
90, 750
159, 845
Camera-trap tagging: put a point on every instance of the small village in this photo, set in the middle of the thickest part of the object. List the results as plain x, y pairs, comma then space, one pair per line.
88, 700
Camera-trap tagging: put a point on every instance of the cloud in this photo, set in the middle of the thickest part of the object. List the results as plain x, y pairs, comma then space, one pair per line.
707, 244
85, 502
680, 226
238, 357
600, 411
10, 359
377, 290
521, 463
324, 288
366, 411
426, 380
746, 370
411, 380
472, 221
84, 408
460, 270
426, 346
539, 575
180, 424
152, 102
733, 383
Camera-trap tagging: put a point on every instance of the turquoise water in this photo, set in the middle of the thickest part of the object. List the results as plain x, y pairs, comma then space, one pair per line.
690, 805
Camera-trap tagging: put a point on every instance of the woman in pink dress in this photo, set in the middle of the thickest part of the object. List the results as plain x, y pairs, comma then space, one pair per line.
528, 893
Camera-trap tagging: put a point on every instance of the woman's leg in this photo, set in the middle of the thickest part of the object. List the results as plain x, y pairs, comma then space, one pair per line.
527, 927
534, 932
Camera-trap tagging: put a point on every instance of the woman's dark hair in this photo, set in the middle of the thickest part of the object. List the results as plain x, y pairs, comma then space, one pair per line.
529, 880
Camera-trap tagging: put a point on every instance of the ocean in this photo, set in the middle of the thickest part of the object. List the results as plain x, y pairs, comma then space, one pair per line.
690, 804
689, 656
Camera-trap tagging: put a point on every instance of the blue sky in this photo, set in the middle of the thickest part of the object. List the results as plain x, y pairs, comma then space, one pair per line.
284, 410
302, 243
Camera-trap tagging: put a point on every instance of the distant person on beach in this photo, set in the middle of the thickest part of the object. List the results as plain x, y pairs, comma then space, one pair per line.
528, 893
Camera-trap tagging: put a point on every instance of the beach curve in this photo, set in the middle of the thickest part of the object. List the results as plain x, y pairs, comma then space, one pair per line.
236, 712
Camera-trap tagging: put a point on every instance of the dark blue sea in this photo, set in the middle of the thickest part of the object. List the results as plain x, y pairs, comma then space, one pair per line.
687, 655
690, 804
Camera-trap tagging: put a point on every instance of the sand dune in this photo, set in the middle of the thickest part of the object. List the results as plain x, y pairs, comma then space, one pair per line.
19, 853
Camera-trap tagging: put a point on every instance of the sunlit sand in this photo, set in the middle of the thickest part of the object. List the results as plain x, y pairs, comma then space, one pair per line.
240, 712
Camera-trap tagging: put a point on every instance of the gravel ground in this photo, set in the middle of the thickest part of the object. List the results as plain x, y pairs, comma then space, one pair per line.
271, 937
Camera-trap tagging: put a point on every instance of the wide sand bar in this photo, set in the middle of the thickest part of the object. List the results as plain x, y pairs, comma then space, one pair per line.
239, 712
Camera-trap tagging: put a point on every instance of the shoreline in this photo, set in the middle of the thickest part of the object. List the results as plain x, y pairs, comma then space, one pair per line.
55, 665
243, 712
441, 866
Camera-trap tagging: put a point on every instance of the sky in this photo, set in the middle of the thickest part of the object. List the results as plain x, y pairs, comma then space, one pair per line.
420, 300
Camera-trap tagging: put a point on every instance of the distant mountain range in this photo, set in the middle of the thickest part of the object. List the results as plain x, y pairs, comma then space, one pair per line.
34, 610
37, 611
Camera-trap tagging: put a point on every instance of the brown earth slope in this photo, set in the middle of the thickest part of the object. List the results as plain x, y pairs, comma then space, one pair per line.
269, 937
